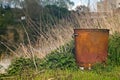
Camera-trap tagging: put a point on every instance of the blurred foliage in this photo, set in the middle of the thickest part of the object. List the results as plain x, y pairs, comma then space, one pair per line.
19, 64
100, 68
58, 11
62, 58
114, 49
36, 23
6, 16
51, 15
47, 18
60, 3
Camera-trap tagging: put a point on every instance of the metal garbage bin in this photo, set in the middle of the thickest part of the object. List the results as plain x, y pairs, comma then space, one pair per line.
91, 46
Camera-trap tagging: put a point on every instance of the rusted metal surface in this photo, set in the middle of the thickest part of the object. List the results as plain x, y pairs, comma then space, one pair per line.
91, 46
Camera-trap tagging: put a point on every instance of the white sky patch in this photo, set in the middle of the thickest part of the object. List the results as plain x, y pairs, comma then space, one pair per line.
77, 3
92, 5
21, 0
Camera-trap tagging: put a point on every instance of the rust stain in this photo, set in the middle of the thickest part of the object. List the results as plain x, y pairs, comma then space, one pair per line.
91, 46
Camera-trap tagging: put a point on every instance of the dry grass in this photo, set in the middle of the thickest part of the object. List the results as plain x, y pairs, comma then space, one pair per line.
109, 21
61, 33
52, 39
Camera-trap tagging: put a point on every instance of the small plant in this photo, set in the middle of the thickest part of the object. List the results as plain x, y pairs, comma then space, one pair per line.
114, 49
18, 65
100, 68
62, 58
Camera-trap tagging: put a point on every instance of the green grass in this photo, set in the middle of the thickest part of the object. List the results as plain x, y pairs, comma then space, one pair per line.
78, 75
67, 75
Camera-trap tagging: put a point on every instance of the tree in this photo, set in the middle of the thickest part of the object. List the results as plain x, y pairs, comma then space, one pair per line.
59, 3
30, 5
6, 16
82, 8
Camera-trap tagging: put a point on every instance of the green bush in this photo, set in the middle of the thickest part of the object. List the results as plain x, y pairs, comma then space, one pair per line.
114, 49
62, 58
20, 64
6, 17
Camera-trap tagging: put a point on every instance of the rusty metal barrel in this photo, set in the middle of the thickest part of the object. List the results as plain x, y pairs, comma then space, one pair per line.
91, 46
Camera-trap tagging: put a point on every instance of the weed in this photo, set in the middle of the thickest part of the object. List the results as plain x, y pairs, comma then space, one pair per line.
19, 65
114, 49
62, 58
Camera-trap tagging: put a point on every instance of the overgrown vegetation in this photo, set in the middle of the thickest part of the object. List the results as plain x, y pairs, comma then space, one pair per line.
62, 61
62, 58
47, 28
6, 17
114, 49
18, 65
39, 25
